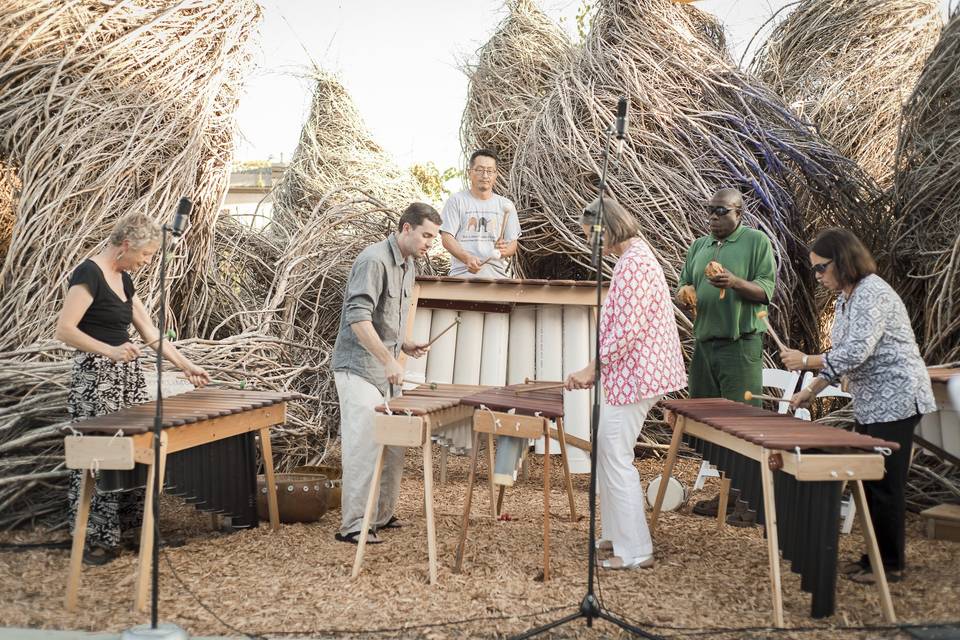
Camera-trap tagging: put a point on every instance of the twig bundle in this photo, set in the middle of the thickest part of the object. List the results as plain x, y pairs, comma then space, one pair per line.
848, 68
9, 186
337, 150
513, 72
696, 124
111, 108
926, 244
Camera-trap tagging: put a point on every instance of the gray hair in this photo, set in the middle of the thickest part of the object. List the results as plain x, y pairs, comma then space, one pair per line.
618, 224
137, 229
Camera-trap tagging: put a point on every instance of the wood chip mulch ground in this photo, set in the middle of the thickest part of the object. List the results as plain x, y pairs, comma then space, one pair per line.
295, 583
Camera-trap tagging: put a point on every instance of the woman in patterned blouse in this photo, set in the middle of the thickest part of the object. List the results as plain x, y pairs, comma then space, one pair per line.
640, 361
875, 349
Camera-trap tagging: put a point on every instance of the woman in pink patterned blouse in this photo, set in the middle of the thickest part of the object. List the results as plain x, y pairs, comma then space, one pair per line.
640, 361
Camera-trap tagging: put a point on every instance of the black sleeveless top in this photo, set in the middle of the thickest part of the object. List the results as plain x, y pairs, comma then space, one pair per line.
108, 318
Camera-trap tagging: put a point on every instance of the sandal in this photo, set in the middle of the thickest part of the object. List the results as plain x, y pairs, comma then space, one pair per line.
616, 562
98, 556
393, 523
866, 576
604, 545
354, 537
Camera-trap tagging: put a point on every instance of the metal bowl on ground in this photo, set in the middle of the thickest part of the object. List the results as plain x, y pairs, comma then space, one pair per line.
301, 497
334, 477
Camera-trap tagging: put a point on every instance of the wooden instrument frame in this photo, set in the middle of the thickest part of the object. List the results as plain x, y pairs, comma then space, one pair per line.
172, 440
850, 467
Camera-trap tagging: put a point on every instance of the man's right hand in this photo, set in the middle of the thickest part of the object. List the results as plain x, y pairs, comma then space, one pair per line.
124, 353
394, 371
474, 264
687, 297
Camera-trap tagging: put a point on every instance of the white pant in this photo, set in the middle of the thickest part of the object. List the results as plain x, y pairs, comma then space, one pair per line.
359, 454
622, 505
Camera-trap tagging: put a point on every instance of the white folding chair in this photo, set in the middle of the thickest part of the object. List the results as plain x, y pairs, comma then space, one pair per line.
848, 508
786, 381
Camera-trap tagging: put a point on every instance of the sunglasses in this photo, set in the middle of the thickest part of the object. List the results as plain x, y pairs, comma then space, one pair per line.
720, 211
822, 267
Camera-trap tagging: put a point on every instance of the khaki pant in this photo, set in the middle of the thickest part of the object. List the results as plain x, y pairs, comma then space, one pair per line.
359, 454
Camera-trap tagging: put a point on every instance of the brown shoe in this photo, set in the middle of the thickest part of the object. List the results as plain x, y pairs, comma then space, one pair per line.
709, 508
742, 516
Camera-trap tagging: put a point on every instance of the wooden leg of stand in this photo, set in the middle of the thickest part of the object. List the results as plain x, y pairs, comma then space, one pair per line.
267, 451
372, 495
546, 502
490, 466
145, 554
667, 470
466, 503
873, 551
773, 548
566, 469
87, 484
428, 504
444, 452
500, 493
724, 499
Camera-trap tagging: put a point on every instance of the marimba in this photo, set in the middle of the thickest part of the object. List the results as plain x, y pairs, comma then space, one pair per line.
411, 420
792, 472
941, 429
518, 412
509, 331
207, 455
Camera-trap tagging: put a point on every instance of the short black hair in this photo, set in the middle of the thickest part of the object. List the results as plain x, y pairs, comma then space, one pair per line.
488, 153
416, 213
851, 258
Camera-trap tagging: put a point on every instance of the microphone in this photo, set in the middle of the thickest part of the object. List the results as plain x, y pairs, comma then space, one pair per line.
621, 126
181, 218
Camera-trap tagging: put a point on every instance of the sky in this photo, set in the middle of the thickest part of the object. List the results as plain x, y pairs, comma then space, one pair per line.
400, 61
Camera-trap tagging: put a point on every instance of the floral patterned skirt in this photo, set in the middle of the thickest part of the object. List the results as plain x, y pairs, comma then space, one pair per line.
98, 386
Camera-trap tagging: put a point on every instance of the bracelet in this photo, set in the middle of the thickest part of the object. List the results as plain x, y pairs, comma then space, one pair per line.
803, 362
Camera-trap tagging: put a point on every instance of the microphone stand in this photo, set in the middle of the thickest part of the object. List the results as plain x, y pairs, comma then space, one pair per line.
167, 630
590, 607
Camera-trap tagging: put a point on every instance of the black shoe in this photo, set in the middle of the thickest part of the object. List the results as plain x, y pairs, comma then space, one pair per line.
710, 507
97, 556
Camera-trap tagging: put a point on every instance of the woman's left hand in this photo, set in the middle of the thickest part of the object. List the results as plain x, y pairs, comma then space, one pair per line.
582, 379
197, 376
792, 359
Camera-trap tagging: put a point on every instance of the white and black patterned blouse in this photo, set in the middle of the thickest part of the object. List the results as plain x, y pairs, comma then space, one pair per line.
874, 346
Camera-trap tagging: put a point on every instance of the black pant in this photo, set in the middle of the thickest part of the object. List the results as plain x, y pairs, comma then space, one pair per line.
886, 497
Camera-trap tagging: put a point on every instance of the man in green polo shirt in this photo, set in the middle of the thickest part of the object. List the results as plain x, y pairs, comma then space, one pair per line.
728, 341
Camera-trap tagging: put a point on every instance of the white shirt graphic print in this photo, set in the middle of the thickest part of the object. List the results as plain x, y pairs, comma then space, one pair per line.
476, 225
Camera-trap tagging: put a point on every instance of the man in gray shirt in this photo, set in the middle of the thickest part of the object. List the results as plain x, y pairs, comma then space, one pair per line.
366, 365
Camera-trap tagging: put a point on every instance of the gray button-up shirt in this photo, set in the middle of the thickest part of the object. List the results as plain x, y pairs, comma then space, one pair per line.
378, 290
874, 346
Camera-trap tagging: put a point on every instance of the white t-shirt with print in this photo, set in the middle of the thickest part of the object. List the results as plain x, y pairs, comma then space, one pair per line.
476, 224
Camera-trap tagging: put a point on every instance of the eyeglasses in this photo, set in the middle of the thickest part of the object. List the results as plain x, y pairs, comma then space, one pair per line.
822, 267
485, 172
720, 211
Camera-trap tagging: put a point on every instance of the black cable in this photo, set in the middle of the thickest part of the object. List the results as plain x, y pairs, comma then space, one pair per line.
13, 546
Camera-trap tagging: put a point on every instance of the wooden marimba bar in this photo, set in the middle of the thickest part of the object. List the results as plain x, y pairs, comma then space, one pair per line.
206, 447
792, 472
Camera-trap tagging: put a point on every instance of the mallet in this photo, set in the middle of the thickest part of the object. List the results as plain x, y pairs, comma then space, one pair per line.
437, 337
762, 315
542, 387
748, 396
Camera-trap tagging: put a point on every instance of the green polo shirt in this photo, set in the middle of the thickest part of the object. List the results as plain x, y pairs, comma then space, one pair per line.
746, 253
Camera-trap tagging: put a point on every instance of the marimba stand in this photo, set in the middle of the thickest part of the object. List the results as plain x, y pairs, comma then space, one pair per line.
498, 423
851, 467
201, 421
411, 427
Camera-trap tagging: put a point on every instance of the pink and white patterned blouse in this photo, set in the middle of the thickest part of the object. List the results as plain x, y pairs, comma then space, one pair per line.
640, 354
